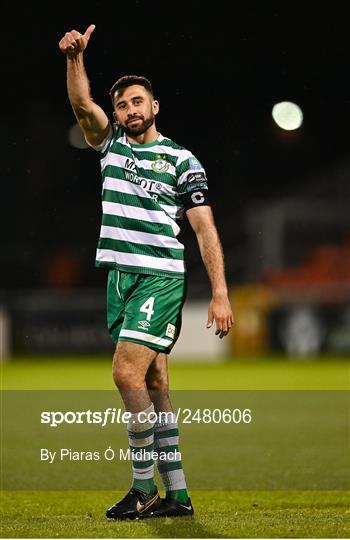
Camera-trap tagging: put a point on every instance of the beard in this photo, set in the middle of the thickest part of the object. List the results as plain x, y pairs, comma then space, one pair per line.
141, 127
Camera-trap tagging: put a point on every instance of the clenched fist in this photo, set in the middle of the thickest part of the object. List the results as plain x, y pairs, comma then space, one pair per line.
74, 42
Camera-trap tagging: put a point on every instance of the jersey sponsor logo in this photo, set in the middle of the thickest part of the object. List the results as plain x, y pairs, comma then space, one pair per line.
146, 183
130, 165
143, 325
194, 164
160, 165
170, 331
197, 197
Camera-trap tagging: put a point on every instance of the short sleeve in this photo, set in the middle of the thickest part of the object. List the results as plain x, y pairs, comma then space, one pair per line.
104, 145
192, 183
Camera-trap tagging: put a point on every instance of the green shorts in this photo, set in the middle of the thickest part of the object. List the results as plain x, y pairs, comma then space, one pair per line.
145, 309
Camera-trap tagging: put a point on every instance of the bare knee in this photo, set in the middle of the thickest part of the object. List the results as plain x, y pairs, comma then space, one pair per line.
130, 365
122, 375
157, 379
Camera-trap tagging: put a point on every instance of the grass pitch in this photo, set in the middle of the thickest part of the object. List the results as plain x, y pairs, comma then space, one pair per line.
218, 514
95, 373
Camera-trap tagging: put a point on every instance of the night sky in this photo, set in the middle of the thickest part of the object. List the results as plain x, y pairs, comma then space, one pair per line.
217, 75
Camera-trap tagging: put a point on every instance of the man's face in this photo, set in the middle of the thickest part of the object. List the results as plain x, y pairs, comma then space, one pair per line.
134, 109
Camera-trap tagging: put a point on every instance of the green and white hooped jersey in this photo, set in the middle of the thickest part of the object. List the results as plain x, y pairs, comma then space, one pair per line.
142, 202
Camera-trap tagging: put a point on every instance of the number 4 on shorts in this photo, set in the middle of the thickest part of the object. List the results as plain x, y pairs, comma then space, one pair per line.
147, 307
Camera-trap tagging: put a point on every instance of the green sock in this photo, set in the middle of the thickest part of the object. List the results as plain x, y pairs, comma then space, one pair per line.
141, 442
166, 440
147, 486
180, 495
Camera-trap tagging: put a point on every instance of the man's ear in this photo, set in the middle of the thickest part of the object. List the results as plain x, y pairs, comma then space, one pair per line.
155, 106
115, 118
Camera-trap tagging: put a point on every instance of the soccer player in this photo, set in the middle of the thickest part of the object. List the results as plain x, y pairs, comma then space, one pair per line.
148, 182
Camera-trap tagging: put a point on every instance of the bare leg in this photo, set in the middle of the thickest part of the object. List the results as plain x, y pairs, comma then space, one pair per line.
130, 365
157, 381
166, 432
131, 362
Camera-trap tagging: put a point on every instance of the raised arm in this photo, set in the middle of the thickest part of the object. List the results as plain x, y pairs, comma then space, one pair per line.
91, 118
202, 222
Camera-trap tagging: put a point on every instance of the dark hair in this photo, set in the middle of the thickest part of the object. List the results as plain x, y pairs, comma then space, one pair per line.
129, 80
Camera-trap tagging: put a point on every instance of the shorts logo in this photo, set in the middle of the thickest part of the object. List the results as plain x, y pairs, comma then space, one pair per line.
170, 331
143, 325
160, 165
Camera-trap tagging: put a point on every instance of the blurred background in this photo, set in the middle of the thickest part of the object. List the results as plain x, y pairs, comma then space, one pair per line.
278, 177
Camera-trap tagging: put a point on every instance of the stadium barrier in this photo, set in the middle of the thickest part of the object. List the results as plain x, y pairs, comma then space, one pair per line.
299, 321
74, 322
291, 321
4, 334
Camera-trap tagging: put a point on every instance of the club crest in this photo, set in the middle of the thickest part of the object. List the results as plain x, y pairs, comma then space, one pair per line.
160, 165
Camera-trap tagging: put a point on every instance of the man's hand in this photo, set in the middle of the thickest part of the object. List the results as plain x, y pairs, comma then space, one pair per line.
74, 43
220, 311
